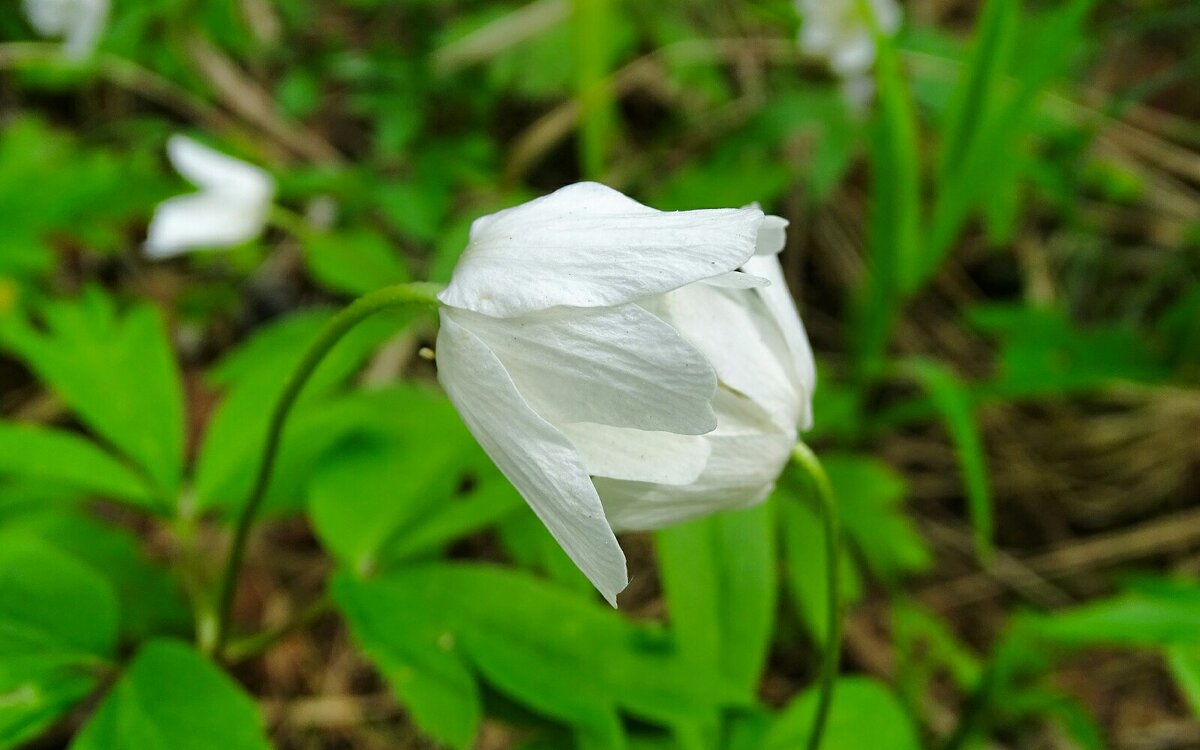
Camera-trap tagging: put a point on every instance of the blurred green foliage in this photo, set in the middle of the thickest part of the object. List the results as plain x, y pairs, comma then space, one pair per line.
389, 128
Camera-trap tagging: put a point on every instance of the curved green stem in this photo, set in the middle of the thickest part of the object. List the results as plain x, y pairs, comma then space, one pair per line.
805, 459
212, 635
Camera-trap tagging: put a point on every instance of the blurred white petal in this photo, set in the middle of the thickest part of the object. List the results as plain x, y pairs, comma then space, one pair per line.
209, 169
79, 22
854, 56
187, 222
231, 208
842, 33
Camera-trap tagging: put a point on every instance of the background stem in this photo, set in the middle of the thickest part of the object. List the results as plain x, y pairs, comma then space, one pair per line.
806, 460
211, 640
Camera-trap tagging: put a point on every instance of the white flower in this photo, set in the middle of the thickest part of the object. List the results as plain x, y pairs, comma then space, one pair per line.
839, 31
586, 335
78, 22
231, 207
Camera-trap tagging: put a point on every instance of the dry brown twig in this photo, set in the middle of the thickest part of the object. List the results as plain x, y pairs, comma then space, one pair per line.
246, 97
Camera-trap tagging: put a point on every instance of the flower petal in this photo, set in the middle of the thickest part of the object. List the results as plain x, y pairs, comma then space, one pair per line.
80, 23
587, 245
747, 453
736, 333
854, 54
538, 459
84, 35
782, 307
736, 280
620, 366
741, 472
200, 220
620, 453
772, 235
212, 170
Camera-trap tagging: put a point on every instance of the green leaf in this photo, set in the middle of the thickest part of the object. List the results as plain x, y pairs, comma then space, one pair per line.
740, 172
718, 574
981, 93
38, 585
1179, 330
491, 499
149, 600
32, 701
994, 115
894, 234
58, 621
818, 118
1150, 616
528, 639
870, 496
171, 698
117, 372
271, 352
1042, 352
1040, 703
363, 495
353, 262
531, 547
83, 197
418, 656
254, 375
926, 649
864, 714
417, 209
980, 89
1184, 663
63, 459
379, 499
954, 404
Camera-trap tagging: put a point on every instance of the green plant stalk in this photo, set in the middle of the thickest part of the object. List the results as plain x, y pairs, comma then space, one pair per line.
592, 36
213, 632
806, 460
895, 221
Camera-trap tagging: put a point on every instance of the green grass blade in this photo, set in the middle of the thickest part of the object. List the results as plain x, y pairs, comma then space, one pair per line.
895, 219
592, 31
953, 403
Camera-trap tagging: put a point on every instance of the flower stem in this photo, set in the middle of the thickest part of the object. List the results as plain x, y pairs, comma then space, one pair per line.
806, 460
401, 295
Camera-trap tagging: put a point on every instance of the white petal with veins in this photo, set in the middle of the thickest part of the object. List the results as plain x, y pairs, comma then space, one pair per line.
587, 245
538, 459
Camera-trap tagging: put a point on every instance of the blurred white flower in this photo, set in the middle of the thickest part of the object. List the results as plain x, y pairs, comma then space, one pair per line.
839, 31
78, 22
231, 207
586, 335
